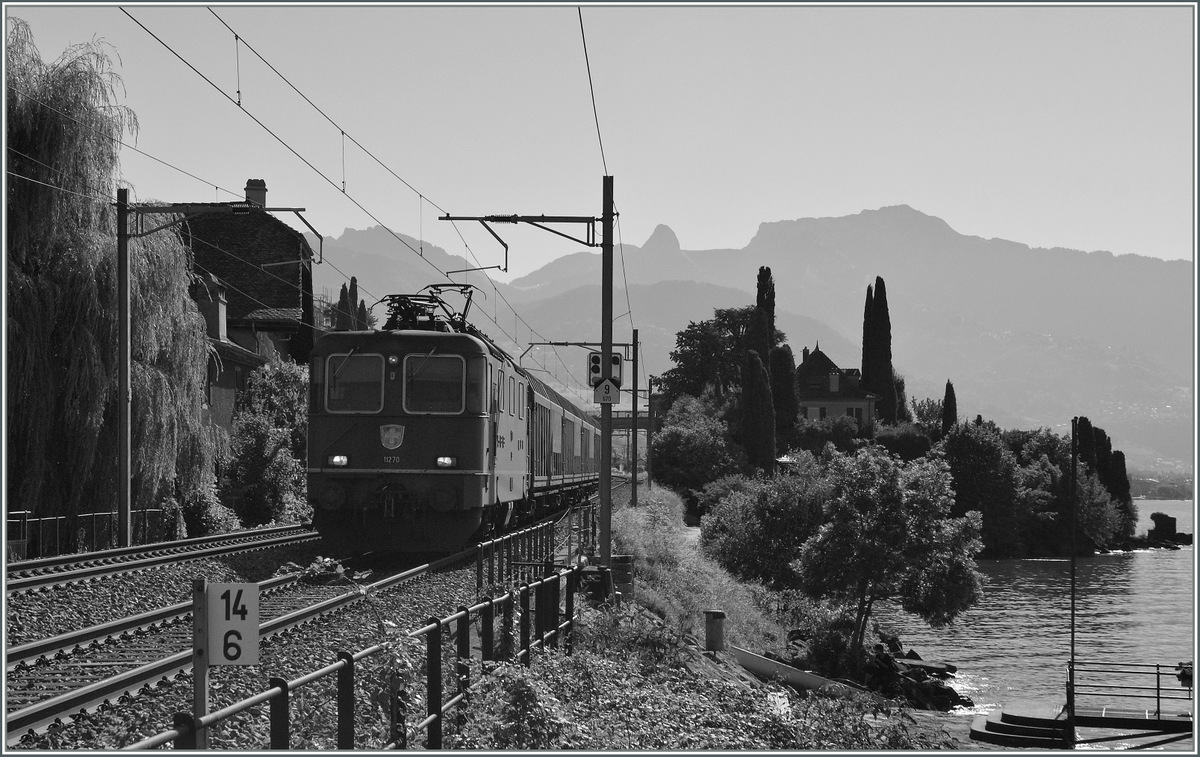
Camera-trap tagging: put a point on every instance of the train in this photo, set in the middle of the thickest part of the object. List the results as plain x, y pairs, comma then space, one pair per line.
425, 437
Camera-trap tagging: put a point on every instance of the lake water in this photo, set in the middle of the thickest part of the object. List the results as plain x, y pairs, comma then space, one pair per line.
1012, 648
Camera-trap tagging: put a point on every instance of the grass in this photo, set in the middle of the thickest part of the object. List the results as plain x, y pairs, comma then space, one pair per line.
632, 682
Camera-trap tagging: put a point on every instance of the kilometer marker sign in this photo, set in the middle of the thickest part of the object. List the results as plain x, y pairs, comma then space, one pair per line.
232, 624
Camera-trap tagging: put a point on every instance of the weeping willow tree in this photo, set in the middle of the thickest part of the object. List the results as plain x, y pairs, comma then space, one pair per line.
64, 123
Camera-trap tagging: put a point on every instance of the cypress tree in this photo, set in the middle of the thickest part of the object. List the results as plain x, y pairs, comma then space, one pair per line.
765, 300
868, 351
360, 318
352, 305
1086, 443
758, 414
341, 316
949, 409
783, 394
882, 381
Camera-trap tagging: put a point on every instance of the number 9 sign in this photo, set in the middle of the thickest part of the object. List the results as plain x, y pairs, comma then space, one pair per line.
232, 624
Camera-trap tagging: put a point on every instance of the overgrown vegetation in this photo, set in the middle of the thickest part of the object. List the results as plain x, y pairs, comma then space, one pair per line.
634, 683
64, 125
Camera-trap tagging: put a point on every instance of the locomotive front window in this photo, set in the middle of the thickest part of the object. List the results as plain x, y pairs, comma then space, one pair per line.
434, 383
354, 383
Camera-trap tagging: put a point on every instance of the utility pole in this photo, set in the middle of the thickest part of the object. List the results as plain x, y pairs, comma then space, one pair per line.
606, 290
633, 426
124, 389
649, 431
606, 343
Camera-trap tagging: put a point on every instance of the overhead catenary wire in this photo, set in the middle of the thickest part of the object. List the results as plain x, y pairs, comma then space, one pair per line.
344, 135
308, 163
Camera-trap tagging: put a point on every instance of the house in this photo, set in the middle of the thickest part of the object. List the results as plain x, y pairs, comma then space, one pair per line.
825, 391
254, 287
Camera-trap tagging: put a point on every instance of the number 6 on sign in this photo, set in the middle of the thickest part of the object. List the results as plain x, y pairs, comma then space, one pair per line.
233, 624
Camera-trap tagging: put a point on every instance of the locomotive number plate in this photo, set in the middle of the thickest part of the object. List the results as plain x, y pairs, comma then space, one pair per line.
390, 459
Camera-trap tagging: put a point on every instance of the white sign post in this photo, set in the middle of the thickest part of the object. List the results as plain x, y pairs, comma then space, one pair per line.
224, 632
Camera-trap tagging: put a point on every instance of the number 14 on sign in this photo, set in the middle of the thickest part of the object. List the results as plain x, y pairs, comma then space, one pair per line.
232, 624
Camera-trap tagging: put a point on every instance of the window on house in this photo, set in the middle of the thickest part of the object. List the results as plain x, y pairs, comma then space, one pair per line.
823, 412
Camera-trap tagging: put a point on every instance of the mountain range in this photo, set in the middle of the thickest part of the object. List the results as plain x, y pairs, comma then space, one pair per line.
1030, 337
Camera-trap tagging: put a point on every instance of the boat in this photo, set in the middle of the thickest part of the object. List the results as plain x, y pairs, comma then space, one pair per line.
802, 680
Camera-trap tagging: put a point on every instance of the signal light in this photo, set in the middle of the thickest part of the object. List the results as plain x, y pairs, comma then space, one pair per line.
595, 368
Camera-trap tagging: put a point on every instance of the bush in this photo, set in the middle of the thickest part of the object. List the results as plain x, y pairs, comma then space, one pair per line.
264, 482
906, 440
756, 531
690, 454
843, 432
204, 515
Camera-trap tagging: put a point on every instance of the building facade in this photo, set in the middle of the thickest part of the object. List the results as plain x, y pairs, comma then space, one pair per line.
825, 391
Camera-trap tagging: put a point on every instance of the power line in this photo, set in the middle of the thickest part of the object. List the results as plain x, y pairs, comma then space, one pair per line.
399, 178
592, 89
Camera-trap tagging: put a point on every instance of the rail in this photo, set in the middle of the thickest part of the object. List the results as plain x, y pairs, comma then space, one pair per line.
553, 620
1129, 684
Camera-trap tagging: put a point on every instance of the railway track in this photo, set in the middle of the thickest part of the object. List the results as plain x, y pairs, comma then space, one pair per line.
32, 575
53, 679
49, 681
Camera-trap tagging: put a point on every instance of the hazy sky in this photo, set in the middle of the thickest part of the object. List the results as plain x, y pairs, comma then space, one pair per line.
1051, 126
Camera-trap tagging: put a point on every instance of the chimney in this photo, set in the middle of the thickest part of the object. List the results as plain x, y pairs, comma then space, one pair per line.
804, 359
256, 192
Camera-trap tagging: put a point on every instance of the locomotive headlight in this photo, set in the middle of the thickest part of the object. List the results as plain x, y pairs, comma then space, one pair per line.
447, 462
338, 461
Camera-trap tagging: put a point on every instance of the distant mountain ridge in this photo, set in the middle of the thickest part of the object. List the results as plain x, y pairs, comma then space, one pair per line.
1030, 337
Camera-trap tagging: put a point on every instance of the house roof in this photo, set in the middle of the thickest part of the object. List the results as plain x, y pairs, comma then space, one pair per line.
812, 380
261, 258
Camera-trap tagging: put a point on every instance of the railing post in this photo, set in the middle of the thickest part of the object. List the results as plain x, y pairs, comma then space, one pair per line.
572, 582
280, 716
487, 619
433, 684
479, 570
345, 699
506, 644
491, 565
524, 648
463, 664
398, 713
1157, 690
1069, 730
185, 723
555, 619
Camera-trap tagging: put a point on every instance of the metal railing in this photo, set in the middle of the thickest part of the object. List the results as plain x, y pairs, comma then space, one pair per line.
1131, 681
553, 617
29, 537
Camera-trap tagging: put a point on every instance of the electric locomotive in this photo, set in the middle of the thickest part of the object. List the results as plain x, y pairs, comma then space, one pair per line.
424, 435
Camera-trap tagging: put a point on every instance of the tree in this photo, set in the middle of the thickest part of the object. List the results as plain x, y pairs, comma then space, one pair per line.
783, 394
868, 340
692, 448
985, 480
352, 304
360, 319
64, 125
949, 409
927, 414
765, 301
758, 415
888, 534
342, 313
709, 353
756, 529
265, 481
